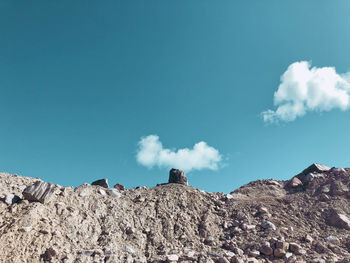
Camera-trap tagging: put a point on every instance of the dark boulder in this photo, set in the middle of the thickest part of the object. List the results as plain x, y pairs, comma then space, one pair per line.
101, 182
177, 176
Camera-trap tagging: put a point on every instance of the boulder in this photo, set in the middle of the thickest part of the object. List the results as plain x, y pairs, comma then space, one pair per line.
268, 225
177, 176
295, 182
338, 220
266, 249
39, 192
119, 187
101, 182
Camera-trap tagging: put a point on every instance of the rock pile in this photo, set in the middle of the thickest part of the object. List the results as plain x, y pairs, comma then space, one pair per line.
305, 219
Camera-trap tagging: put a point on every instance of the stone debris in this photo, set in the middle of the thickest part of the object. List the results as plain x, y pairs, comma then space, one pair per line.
101, 182
177, 176
39, 192
264, 221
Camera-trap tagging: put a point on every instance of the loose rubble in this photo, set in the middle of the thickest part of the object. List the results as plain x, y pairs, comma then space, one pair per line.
304, 219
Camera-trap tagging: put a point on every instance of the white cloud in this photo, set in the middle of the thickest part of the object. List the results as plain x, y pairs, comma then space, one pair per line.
304, 89
202, 156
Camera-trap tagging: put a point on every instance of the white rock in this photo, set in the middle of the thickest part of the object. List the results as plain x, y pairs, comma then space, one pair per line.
332, 240
102, 192
129, 249
114, 193
172, 257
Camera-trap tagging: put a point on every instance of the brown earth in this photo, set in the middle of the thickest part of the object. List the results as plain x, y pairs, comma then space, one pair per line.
302, 220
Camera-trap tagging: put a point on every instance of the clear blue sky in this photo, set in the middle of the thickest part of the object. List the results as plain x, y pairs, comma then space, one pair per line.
82, 81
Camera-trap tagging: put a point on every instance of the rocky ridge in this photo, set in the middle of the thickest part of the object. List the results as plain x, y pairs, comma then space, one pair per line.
305, 219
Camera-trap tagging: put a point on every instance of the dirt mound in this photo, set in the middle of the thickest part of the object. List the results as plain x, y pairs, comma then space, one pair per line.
305, 219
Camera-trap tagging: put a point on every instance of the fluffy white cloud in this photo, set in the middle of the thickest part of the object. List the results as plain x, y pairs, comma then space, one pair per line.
304, 89
151, 153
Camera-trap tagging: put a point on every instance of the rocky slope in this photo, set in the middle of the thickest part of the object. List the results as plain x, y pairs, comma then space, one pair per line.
301, 220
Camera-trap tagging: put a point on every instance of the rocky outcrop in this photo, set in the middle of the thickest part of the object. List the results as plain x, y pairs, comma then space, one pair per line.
177, 176
263, 221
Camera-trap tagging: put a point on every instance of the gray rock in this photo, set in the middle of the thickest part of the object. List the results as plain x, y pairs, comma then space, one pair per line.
338, 220
266, 249
294, 182
279, 252
294, 247
101, 182
39, 192
177, 176
268, 225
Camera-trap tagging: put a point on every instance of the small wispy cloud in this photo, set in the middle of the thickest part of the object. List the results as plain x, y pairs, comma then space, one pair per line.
202, 156
304, 89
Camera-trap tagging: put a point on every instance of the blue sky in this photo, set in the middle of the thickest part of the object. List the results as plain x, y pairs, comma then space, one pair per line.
81, 82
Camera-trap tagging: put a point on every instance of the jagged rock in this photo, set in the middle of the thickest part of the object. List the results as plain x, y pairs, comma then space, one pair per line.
119, 187
39, 192
316, 168
101, 182
177, 176
338, 220
295, 182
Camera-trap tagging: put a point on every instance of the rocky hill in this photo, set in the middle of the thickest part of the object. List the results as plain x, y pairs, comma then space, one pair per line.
305, 219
